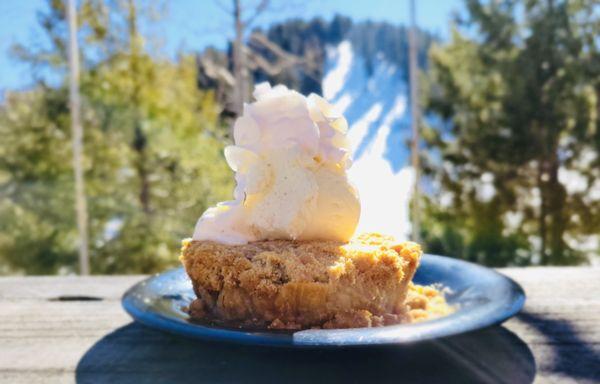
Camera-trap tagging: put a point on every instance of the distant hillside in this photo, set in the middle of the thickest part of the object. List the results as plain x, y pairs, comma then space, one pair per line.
294, 53
373, 41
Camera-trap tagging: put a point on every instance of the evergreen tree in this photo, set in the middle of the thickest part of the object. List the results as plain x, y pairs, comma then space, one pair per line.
518, 148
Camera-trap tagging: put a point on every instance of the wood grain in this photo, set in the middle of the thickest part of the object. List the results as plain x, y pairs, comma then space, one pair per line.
72, 329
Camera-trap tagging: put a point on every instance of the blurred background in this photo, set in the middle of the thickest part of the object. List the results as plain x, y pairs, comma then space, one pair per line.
501, 110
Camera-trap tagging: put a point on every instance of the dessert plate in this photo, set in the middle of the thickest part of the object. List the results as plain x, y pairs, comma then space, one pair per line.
482, 296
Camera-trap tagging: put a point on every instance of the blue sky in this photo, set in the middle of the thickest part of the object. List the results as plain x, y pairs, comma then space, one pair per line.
194, 24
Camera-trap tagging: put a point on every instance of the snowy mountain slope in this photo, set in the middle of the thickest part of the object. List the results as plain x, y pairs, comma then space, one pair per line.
375, 104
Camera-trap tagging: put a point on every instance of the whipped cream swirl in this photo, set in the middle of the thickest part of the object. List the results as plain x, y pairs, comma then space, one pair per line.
290, 159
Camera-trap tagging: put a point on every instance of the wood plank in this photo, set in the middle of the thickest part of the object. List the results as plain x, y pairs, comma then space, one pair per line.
561, 321
555, 339
48, 287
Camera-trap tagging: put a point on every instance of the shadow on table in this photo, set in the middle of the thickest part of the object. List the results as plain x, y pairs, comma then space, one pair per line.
136, 354
577, 358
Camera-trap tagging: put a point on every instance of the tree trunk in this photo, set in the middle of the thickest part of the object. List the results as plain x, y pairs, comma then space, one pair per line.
557, 201
542, 213
140, 140
239, 65
77, 132
139, 144
542, 182
415, 121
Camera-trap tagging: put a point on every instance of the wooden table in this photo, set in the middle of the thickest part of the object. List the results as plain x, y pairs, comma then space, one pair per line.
72, 329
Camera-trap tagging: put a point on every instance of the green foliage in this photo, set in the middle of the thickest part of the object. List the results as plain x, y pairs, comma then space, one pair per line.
34, 181
153, 152
517, 157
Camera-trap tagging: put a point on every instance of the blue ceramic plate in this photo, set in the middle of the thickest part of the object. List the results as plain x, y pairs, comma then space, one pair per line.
482, 296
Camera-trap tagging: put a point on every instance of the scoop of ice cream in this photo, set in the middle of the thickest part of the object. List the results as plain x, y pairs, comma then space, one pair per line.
290, 159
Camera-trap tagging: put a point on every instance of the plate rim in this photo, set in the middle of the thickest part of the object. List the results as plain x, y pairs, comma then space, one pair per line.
321, 338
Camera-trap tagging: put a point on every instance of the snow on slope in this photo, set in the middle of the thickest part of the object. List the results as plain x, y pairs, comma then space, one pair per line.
375, 105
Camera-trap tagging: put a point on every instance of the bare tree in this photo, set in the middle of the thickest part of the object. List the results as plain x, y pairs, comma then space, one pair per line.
416, 118
240, 72
77, 133
243, 19
140, 140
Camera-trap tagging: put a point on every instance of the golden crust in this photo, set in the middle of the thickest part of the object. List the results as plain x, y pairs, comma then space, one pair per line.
295, 285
